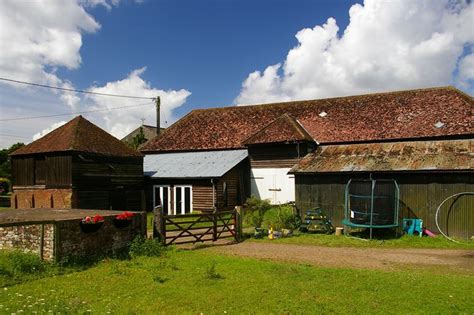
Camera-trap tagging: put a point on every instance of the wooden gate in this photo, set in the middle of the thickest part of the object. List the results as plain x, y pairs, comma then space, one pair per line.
193, 228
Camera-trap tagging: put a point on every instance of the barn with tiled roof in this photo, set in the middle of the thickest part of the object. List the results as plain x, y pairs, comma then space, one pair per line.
420, 137
77, 165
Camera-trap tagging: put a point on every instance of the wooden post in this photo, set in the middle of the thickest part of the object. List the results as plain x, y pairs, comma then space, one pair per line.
238, 223
41, 244
214, 225
159, 226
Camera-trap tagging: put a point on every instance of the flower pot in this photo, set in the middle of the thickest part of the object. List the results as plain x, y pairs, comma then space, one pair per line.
90, 228
122, 223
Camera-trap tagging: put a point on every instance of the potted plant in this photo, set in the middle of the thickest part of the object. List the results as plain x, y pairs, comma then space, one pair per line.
123, 220
91, 224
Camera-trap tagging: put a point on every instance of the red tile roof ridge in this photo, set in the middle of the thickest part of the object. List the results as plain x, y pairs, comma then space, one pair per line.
297, 102
404, 114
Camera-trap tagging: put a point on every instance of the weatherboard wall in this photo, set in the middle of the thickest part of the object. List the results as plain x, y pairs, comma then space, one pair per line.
108, 182
420, 195
77, 180
207, 191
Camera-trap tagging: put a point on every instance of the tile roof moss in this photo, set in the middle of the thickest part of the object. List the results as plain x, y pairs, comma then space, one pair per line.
382, 116
79, 135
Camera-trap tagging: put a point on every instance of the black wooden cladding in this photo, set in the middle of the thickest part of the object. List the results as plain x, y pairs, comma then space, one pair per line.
90, 172
51, 171
99, 182
277, 155
23, 171
420, 195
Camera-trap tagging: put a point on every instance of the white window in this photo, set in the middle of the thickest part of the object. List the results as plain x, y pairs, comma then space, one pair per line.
161, 197
183, 199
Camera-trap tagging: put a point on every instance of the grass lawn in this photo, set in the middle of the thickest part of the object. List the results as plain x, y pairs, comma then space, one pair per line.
203, 282
405, 241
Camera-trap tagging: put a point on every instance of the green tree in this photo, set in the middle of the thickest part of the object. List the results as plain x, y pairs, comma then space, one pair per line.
5, 161
138, 140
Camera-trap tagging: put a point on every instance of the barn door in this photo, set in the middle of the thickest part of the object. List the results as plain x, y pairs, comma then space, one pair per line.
273, 184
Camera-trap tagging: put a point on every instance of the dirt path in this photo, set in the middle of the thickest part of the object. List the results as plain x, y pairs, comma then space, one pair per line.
364, 258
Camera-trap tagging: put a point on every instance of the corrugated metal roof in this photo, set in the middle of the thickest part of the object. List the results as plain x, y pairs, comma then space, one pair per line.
192, 164
394, 156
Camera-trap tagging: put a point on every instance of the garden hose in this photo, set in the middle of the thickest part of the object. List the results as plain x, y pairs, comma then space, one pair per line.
439, 207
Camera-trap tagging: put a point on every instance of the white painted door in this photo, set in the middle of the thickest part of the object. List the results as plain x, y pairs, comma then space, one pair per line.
273, 184
161, 197
183, 200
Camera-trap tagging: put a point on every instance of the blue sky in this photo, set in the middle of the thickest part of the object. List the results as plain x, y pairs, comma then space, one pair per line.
211, 53
206, 47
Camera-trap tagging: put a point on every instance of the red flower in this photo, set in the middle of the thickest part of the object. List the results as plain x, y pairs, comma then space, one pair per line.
125, 216
98, 218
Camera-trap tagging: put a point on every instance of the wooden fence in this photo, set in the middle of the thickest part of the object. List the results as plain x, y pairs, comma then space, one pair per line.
194, 228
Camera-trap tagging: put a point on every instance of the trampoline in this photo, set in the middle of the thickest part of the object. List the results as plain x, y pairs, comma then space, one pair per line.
372, 204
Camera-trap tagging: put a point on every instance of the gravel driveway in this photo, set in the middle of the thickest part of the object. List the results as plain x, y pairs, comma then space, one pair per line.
344, 257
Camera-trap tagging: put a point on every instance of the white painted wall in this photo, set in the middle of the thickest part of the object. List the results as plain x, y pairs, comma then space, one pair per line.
273, 184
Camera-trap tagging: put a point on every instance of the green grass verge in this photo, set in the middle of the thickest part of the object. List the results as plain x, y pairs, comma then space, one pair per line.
405, 241
191, 282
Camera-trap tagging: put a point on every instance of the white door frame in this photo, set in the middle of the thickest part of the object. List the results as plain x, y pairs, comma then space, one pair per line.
161, 195
183, 199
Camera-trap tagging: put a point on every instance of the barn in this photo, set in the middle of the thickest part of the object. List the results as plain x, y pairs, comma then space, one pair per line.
78, 165
358, 136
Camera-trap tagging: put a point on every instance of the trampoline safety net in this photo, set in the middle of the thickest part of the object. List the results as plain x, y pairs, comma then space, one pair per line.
372, 203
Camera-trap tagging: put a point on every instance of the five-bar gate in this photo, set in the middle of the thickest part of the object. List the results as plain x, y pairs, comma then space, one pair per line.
194, 228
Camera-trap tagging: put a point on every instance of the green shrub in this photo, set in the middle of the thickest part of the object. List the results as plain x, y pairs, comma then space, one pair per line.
281, 217
255, 210
17, 267
4, 185
26, 263
145, 247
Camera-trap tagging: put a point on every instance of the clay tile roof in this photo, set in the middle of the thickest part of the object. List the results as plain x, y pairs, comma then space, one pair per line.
79, 135
284, 128
437, 155
433, 112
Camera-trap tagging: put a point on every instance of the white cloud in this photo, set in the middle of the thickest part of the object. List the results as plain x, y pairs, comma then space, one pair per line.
121, 122
388, 45
466, 70
40, 134
43, 37
40, 36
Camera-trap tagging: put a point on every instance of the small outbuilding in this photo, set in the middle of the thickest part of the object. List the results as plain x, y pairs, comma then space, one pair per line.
184, 182
78, 165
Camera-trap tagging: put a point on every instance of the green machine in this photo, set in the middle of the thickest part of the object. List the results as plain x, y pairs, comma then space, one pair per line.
315, 220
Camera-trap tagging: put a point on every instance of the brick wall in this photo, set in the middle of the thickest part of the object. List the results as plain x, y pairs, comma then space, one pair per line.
42, 198
65, 239
29, 238
73, 242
